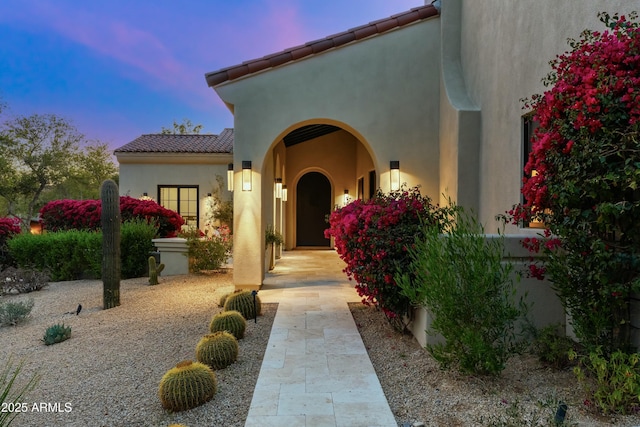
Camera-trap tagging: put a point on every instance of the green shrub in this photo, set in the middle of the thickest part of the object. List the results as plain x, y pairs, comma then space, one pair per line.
67, 255
461, 279
135, 246
12, 393
56, 333
616, 377
206, 253
551, 347
12, 313
76, 254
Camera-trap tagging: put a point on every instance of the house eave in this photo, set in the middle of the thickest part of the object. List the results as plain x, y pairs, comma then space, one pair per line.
174, 158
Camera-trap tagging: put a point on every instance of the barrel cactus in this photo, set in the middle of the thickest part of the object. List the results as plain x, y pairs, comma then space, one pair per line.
218, 350
110, 222
230, 321
243, 301
186, 386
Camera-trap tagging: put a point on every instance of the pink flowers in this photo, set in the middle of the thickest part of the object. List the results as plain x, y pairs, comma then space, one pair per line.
85, 215
372, 237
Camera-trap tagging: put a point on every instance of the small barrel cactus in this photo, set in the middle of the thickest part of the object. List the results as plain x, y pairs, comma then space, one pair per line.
243, 301
154, 270
186, 386
230, 321
218, 350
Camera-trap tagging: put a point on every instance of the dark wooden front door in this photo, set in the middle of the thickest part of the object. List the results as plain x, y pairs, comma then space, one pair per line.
313, 204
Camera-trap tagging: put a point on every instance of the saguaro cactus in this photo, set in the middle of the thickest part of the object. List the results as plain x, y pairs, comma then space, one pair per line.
154, 270
110, 221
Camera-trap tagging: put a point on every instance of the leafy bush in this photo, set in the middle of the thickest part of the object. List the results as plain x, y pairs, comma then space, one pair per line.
12, 313
75, 254
56, 333
373, 238
461, 279
583, 180
207, 252
553, 348
61, 215
22, 281
135, 246
9, 395
617, 380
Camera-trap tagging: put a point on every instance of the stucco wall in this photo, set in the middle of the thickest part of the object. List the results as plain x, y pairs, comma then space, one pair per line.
384, 90
505, 50
136, 179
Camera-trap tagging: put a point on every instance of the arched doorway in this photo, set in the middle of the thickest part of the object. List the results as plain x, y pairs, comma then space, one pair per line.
313, 204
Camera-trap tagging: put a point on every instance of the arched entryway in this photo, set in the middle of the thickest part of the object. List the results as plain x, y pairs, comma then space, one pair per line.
313, 204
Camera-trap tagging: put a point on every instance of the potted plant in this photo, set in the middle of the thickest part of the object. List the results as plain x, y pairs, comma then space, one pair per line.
272, 238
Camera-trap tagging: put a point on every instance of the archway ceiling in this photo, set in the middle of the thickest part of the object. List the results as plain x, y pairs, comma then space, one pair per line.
309, 132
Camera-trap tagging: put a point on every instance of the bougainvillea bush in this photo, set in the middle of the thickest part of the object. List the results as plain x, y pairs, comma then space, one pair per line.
373, 236
61, 215
9, 227
583, 180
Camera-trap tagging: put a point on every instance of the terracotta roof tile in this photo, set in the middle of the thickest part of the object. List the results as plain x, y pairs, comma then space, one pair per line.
292, 54
169, 143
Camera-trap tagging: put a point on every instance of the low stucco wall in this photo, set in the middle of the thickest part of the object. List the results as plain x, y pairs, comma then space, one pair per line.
173, 254
545, 307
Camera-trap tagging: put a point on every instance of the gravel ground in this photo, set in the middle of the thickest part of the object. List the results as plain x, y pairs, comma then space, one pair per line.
109, 371
418, 391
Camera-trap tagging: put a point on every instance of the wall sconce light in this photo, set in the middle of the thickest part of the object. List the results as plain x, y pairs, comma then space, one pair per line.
346, 197
208, 194
278, 188
230, 177
284, 193
145, 194
394, 166
246, 175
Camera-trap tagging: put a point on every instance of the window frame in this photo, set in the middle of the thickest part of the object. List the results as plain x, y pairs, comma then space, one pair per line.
178, 200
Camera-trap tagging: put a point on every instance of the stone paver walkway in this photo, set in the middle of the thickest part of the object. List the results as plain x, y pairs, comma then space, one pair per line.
316, 371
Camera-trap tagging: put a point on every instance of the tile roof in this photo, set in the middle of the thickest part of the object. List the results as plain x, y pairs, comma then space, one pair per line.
170, 143
293, 54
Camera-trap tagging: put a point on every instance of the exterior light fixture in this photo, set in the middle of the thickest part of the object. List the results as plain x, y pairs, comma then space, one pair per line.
230, 177
394, 166
208, 194
246, 175
278, 188
284, 193
145, 194
346, 197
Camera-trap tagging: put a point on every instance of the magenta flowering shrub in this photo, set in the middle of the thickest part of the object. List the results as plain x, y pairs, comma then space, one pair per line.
61, 215
372, 237
9, 227
583, 181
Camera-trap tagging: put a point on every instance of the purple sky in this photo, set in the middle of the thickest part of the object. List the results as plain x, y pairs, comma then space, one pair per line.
121, 68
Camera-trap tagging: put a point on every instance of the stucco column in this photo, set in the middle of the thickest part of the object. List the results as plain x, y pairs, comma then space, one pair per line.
248, 233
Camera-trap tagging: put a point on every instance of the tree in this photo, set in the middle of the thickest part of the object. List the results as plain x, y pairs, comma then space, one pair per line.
184, 128
44, 157
37, 150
